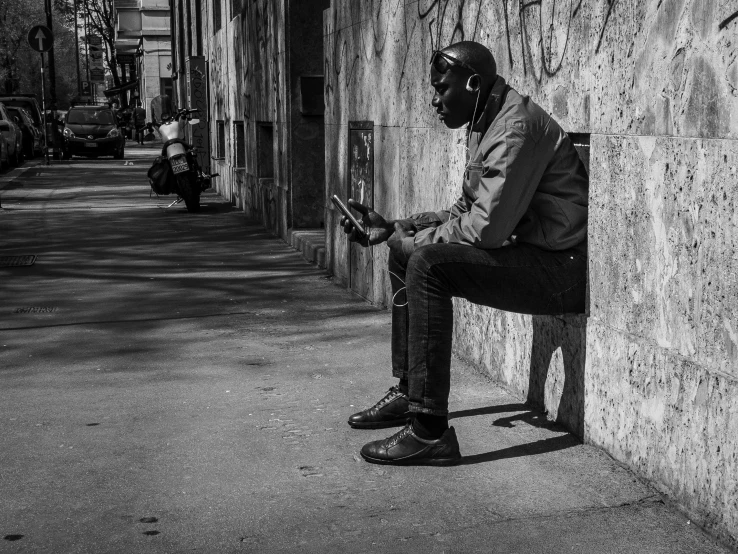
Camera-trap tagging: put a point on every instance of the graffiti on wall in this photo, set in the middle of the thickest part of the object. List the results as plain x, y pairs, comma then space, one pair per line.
537, 33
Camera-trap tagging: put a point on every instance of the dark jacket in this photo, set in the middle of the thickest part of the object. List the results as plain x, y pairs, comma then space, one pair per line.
524, 182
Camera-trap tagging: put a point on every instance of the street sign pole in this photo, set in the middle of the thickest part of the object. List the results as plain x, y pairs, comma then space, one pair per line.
50, 58
76, 41
43, 105
41, 40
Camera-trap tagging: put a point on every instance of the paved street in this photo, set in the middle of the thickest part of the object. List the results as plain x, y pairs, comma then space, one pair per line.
174, 382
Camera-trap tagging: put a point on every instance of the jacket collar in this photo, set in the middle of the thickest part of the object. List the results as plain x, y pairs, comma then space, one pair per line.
492, 108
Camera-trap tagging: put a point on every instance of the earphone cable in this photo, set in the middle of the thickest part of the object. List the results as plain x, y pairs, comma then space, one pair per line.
469, 129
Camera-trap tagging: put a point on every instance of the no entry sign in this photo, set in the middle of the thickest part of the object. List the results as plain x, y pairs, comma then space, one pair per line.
40, 38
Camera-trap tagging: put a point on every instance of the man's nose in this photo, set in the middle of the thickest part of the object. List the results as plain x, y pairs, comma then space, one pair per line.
435, 102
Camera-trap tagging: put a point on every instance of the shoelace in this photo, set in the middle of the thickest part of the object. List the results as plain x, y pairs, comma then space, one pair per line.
392, 393
397, 437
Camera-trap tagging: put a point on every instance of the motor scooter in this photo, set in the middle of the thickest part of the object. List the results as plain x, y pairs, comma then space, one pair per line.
177, 169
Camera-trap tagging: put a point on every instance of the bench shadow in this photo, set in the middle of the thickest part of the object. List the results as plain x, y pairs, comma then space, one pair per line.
529, 449
558, 355
531, 417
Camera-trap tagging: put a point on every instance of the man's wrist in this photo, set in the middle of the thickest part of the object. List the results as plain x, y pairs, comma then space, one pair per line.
389, 227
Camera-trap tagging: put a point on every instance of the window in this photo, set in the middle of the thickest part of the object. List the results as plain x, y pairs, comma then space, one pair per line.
198, 26
312, 101
165, 86
216, 15
265, 150
188, 24
88, 116
221, 138
181, 35
240, 156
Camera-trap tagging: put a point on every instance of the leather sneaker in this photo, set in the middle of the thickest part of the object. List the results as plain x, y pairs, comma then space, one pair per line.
407, 448
390, 411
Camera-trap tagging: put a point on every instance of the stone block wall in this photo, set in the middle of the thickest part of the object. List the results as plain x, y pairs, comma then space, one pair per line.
650, 373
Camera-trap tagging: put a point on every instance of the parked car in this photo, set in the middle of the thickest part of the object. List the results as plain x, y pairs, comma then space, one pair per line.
4, 156
33, 140
92, 131
29, 103
13, 137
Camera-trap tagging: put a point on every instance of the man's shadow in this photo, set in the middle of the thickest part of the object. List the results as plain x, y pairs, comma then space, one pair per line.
556, 380
557, 366
531, 417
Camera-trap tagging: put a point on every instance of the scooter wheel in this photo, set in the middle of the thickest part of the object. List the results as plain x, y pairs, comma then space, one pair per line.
188, 191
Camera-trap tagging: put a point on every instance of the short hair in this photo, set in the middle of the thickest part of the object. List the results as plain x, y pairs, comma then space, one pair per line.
474, 54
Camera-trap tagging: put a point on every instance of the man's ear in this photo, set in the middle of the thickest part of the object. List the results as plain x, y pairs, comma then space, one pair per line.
473, 84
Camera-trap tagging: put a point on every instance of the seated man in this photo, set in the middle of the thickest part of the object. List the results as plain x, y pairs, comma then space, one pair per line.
515, 240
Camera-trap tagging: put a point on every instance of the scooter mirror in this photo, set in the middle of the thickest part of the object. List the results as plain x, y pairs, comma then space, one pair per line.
194, 121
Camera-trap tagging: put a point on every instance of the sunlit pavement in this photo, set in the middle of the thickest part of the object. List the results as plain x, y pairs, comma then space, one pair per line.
172, 382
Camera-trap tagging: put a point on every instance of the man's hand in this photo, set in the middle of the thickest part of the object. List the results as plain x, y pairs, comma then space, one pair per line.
379, 229
395, 241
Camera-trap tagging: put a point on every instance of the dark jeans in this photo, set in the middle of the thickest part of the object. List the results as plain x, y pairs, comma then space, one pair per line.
519, 278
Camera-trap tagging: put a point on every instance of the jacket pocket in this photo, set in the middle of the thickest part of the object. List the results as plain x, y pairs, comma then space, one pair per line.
472, 178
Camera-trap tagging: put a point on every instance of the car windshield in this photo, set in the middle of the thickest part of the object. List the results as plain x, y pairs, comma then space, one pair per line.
90, 117
15, 112
22, 104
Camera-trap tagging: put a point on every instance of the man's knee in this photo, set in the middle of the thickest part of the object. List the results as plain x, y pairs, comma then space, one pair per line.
423, 259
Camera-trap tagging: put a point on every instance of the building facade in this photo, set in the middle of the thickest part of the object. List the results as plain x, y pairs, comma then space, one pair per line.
254, 69
143, 48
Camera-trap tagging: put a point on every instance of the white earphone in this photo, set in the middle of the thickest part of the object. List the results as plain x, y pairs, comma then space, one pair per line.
478, 90
474, 88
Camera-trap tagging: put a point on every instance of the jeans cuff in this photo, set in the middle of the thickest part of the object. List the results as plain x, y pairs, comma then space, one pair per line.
420, 409
399, 373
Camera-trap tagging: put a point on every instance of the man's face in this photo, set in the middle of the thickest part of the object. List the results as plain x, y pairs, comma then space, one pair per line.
453, 103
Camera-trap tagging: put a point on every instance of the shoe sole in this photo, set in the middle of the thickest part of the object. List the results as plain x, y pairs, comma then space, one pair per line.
413, 461
379, 424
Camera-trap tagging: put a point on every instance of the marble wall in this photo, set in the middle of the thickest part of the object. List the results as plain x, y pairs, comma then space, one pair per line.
651, 373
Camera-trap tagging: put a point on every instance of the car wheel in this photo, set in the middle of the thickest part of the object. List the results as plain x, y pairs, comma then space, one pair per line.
66, 155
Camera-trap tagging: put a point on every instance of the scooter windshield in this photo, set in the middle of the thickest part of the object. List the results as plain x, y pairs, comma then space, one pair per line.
171, 131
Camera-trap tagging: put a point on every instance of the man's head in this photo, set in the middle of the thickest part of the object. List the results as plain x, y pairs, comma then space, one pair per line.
462, 75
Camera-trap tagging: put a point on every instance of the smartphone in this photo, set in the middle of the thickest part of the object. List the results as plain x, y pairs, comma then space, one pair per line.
345, 211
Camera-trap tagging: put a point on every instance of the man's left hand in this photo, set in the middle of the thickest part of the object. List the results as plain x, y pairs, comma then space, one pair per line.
395, 241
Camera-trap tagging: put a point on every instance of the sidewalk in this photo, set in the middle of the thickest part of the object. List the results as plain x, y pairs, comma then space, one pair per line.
174, 382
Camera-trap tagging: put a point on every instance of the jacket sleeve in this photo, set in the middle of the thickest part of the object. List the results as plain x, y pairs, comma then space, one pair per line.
504, 184
434, 219
457, 209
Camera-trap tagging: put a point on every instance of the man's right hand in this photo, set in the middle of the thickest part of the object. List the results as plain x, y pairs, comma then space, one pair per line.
379, 228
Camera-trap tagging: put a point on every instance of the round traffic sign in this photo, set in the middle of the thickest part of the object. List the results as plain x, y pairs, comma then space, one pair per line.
40, 38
